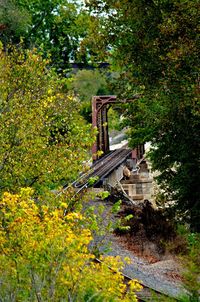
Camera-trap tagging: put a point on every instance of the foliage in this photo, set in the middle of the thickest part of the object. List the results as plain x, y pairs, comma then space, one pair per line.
43, 139
191, 260
186, 246
154, 45
44, 256
86, 84
14, 21
54, 26
114, 117
92, 180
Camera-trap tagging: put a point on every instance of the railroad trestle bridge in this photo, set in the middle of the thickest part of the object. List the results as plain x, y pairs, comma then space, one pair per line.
109, 167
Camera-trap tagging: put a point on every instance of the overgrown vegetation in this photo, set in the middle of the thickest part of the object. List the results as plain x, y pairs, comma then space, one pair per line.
54, 27
154, 46
150, 233
42, 135
45, 257
86, 84
152, 50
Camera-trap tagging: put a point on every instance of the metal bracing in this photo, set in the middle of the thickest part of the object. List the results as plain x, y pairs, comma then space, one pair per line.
100, 106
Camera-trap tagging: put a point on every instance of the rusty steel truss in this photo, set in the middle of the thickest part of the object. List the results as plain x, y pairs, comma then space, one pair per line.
100, 106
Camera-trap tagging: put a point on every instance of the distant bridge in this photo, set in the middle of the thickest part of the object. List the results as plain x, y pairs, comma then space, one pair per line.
110, 164
100, 107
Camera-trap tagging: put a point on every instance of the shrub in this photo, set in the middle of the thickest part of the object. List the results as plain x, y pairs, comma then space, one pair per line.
44, 256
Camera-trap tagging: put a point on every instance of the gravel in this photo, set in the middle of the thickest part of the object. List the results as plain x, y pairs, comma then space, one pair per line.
151, 275
160, 276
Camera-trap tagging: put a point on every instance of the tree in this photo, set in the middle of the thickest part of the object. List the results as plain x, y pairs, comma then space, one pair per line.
43, 139
54, 26
86, 84
44, 256
14, 21
154, 44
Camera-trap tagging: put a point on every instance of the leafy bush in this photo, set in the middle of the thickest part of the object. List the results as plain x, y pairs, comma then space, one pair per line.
191, 261
43, 139
44, 256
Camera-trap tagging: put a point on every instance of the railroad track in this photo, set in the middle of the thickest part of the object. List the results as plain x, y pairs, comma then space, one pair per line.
103, 167
100, 169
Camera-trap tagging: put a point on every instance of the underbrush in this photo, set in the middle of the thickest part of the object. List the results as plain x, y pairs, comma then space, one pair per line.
148, 225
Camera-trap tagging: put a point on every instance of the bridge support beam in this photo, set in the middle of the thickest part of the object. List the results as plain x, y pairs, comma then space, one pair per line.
100, 106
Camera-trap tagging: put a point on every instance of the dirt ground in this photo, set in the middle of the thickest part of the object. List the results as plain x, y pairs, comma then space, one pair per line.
150, 234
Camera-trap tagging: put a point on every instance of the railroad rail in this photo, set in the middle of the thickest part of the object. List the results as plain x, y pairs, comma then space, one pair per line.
100, 170
104, 166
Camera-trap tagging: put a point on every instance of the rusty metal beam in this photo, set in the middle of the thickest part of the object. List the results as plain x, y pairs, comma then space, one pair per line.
100, 106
